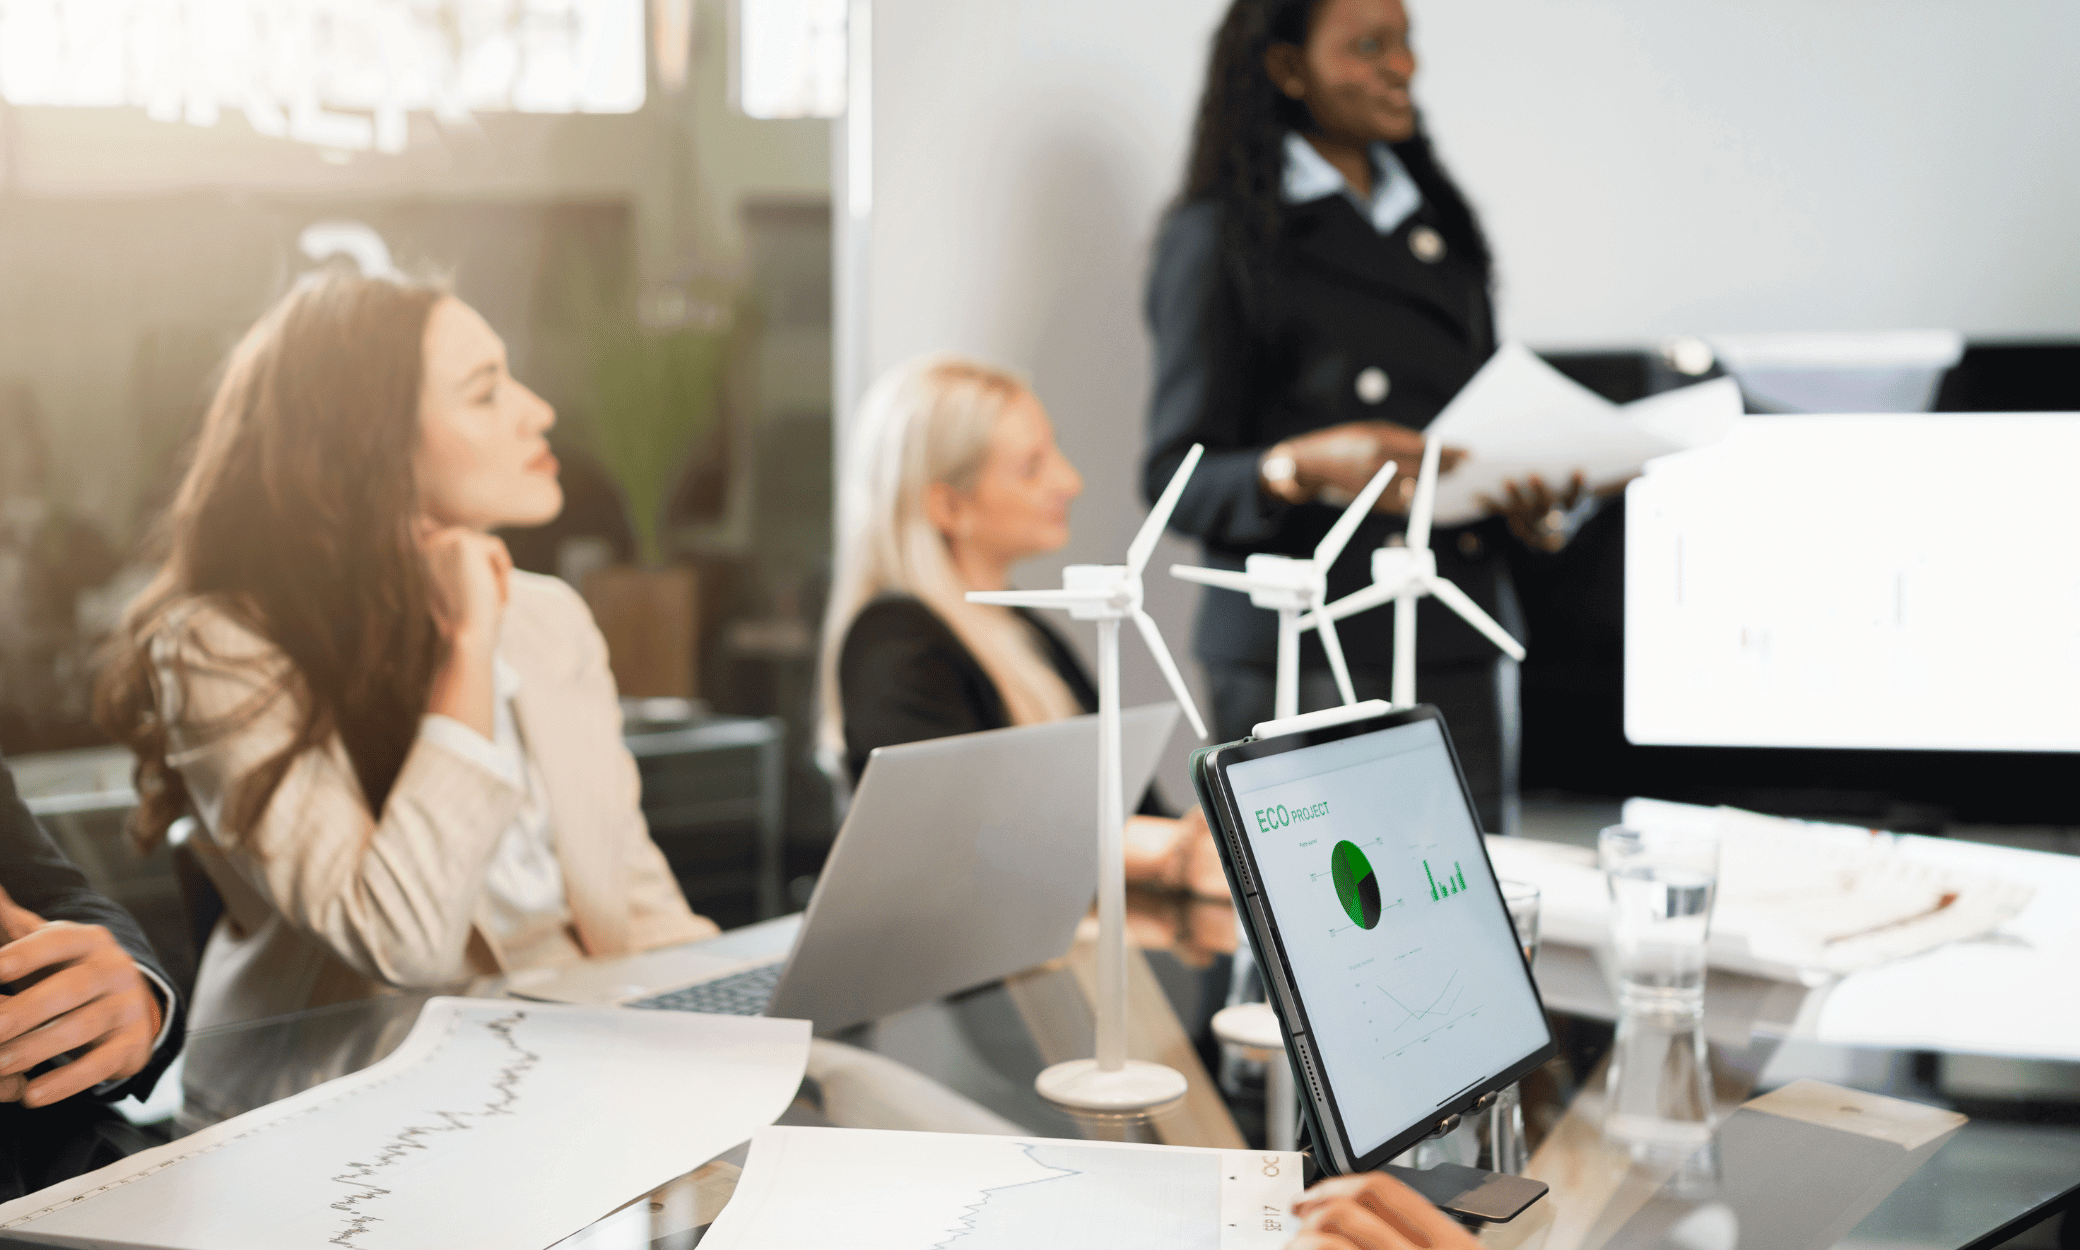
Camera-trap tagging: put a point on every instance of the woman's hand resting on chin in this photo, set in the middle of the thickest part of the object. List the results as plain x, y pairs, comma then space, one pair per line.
471, 575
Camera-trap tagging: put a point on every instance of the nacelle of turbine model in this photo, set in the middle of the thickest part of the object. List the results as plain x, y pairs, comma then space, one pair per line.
1113, 591
1284, 582
1398, 566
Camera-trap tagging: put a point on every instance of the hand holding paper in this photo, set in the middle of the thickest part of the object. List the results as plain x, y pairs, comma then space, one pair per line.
1520, 417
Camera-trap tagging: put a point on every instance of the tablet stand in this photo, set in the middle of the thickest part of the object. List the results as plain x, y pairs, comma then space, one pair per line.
1469, 1193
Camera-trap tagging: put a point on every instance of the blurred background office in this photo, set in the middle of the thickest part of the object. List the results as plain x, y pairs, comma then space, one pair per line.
704, 226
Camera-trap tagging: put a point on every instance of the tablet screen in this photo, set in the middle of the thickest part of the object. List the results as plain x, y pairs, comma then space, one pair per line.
1395, 936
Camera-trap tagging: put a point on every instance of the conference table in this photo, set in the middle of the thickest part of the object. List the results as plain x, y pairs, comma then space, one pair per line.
2012, 1163
1765, 1180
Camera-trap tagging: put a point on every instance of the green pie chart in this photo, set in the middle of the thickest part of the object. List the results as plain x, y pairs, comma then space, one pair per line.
1356, 888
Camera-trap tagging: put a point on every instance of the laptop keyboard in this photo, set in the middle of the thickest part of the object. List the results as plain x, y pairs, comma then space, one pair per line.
743, 993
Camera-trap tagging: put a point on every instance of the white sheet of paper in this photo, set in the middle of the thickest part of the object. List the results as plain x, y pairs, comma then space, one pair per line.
1520, 416
494, 1124
857, 1189
2010, 992
1798, 900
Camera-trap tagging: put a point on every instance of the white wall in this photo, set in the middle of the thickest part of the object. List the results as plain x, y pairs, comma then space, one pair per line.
1020, 160
1646, 167
1650, 167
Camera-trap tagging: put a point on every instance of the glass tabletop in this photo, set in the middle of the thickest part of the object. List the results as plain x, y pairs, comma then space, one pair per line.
2014, 1160
1791, 1183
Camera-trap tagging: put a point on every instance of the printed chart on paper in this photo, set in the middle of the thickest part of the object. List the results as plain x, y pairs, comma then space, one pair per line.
847, 1189
578, 1108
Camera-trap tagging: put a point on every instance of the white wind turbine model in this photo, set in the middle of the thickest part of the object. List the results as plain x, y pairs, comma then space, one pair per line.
1404, 575
1296, 585
1108, 594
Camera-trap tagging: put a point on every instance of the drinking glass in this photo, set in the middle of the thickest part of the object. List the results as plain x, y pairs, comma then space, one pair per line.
1658, 1099
1521, 898
1662, 882
1506, 1148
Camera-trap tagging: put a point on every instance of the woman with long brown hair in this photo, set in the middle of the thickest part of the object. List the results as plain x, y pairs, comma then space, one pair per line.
405, 754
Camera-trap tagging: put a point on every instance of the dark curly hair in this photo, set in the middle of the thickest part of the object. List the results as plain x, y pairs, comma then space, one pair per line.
1238, 144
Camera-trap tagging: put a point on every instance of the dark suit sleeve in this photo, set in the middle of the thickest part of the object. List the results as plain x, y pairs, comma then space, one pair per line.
37, 876
1202, 387
904, 677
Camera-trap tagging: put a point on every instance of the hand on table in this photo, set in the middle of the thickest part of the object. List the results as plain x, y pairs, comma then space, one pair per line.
1341, 459
72, 989
1373, 1211
1538, 515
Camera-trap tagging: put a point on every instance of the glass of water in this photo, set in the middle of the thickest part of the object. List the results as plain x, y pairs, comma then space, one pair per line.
1662, 883
1506, 1147
1521, 898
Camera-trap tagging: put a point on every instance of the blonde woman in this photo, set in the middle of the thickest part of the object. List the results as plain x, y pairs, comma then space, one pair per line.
951, 476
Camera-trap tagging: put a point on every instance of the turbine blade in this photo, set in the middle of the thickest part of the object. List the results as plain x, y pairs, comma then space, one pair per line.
1331, 546
1459, 601
1034, 598
1226, 579
1358, 601
1154, 638
1334, 646
1144, 544
1425, 502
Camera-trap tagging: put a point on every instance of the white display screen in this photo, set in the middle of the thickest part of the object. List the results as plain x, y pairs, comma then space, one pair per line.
1395, 937
1896, 582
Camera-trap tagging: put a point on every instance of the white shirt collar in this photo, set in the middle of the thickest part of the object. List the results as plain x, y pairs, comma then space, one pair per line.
505, 679
1309, 176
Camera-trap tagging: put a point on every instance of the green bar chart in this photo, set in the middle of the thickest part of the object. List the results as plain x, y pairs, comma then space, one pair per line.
1444, 887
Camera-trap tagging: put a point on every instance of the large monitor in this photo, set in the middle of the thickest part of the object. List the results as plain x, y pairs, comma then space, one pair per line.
1894, 582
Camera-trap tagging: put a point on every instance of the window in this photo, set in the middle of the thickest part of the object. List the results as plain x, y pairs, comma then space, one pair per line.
788, 58
342, 73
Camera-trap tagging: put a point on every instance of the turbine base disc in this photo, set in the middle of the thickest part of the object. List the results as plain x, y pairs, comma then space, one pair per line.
1081, 1085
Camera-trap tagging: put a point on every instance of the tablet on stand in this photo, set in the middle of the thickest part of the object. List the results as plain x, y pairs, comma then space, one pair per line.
1352, 847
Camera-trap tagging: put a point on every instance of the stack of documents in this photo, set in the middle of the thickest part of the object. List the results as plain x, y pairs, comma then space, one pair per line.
1798, 900
1520, 416
494, 1124
2008, 992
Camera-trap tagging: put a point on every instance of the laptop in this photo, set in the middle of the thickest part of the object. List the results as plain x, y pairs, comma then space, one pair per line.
962, 861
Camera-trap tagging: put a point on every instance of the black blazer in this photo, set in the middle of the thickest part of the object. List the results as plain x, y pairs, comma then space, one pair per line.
905, 676
1241, 375
37, 876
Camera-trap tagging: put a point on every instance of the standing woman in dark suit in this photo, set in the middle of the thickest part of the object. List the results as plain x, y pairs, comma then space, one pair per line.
1319, 292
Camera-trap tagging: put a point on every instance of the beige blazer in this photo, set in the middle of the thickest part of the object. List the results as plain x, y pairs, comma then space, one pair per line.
327, 902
